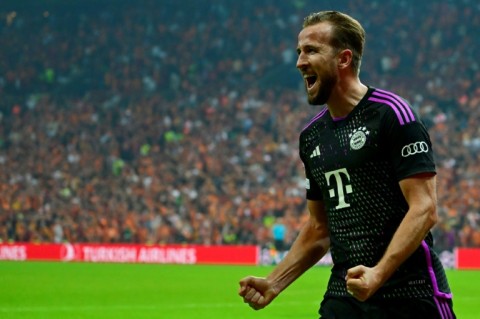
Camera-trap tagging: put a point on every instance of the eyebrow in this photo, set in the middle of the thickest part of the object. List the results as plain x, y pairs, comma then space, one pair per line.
311, 46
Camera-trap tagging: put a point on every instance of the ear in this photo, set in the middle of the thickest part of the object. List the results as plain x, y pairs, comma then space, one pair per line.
345, 58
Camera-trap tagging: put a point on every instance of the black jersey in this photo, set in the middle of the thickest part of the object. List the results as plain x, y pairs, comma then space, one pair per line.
354, 166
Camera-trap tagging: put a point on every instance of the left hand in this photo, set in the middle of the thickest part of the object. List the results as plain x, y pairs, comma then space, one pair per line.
362, 282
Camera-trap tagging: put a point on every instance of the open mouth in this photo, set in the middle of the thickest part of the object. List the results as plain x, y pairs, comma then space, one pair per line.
310, 80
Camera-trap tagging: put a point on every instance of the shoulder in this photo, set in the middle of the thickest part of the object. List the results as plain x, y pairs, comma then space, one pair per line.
311, 132
315, 119
398, 108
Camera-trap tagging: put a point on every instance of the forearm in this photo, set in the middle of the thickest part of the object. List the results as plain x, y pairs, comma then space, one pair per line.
419, 192
310, 246
406, 240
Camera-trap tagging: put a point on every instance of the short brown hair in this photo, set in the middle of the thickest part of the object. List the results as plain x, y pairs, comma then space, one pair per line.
348, 33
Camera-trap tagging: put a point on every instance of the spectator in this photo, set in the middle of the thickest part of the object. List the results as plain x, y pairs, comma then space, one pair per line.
167, 123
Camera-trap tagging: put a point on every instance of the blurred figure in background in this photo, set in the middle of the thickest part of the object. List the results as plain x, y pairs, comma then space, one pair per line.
279, 234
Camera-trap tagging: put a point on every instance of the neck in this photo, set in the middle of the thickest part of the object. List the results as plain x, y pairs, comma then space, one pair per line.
346, 96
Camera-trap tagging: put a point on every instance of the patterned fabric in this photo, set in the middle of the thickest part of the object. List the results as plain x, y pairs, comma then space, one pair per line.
354, 166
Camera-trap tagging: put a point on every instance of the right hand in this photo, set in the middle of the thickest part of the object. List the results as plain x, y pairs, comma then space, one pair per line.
257, 292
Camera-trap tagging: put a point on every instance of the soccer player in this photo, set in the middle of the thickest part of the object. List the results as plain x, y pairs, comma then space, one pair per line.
370, 188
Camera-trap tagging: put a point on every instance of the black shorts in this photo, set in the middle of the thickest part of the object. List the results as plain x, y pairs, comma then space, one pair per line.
351, 308
279, 245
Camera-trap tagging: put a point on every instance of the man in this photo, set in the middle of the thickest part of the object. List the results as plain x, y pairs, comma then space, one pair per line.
279, 232
370, 188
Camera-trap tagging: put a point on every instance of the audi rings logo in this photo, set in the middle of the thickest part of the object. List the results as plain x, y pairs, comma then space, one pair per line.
414, 148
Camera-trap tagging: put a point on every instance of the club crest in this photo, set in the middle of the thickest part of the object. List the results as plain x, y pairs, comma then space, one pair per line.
358, 138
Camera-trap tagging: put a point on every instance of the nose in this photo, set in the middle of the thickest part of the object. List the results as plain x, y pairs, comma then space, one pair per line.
301, 61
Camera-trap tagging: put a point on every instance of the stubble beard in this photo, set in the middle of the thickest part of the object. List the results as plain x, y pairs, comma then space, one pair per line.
326, 87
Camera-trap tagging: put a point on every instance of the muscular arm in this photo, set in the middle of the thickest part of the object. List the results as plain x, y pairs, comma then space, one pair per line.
420, 194
309, 247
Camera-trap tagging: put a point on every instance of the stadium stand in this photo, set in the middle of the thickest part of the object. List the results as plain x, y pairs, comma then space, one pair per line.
177, 122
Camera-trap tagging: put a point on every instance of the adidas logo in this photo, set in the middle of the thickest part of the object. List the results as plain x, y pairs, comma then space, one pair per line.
316, 152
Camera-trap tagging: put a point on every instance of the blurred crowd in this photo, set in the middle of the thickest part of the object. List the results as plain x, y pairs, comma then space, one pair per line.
177, 122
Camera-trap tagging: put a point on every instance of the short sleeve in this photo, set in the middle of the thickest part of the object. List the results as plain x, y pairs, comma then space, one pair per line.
313, 191
409, 147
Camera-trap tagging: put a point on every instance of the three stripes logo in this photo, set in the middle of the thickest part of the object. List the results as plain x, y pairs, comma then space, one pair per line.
316, 152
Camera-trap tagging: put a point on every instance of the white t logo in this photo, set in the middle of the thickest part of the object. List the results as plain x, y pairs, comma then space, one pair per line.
341, 189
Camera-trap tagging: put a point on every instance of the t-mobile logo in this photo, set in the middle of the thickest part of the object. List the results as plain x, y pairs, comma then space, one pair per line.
341, 189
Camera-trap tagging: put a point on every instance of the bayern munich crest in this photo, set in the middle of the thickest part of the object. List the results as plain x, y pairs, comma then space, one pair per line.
358, 138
